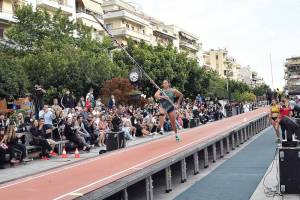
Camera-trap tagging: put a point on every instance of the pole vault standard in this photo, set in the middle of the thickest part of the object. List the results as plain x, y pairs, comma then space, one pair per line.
121, 46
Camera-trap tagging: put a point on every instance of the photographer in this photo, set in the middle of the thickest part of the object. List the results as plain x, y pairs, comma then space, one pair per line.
38, 99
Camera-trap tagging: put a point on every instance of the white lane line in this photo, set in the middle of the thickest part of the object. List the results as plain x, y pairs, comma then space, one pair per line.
131, 168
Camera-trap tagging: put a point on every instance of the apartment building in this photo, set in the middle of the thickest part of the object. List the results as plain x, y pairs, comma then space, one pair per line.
124, 21
250, 77
79, 10
85, 12
6, 16
188, 42
292, 73
219, 61
162, 33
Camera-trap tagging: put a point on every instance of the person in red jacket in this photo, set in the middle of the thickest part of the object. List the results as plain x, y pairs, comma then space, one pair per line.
285, 110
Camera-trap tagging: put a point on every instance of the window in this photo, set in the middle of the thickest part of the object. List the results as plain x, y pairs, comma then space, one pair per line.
127, 26
132, 27
1, 4
217, 57
123, 22
1, 33
109, 26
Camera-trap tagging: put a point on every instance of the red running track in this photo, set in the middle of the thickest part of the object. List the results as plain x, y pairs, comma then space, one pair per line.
83, 177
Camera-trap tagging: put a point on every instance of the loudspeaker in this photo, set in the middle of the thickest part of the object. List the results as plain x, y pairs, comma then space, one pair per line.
289, 170
115, 140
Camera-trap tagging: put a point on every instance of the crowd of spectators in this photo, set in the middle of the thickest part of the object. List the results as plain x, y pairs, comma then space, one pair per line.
86, 123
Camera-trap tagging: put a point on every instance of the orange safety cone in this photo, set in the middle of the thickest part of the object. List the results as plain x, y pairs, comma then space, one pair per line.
77, 155
64, 154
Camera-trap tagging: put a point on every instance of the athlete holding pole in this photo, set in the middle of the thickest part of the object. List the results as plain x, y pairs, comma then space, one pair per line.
167, 105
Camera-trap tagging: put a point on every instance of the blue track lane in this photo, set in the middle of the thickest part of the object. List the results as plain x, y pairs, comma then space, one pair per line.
238, 177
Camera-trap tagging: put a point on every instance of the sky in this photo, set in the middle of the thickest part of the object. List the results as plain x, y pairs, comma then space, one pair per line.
251, 30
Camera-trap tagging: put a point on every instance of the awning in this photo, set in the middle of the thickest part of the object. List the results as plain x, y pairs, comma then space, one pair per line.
92, 6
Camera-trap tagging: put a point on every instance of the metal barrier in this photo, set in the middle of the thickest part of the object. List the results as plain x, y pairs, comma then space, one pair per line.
224, 143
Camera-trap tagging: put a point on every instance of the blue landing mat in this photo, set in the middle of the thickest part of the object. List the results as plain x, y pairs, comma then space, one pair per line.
238, 177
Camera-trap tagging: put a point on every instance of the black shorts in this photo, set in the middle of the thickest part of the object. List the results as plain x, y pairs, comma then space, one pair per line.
167, 106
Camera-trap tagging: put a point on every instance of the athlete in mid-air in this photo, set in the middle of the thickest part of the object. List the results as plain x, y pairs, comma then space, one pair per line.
167, 107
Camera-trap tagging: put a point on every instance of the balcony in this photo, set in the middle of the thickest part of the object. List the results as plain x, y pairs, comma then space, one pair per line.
7, 16
185, 44
54, 5
89, 20
127, 32
123, 14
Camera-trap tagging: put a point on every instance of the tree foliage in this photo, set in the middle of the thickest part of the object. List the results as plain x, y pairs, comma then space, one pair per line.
119, 87
51, 50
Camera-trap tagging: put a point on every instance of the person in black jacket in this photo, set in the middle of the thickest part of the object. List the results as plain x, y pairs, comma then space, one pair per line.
67, 100
39, 134
72, 135
11, 139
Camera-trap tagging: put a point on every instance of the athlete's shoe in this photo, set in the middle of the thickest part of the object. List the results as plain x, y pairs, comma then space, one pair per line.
161, 131
177, 137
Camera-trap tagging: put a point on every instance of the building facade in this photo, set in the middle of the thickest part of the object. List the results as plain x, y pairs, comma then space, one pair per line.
78, 10
219, 61
292, 73
124, 21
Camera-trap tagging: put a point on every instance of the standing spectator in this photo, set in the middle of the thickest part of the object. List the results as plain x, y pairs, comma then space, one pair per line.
3, 123
55, 105
67, 101
99, 104
269, 96
279, 94
112, 102
285, 110
48, 116
90, 101
82, 102
38, 99
198, 99
246, 107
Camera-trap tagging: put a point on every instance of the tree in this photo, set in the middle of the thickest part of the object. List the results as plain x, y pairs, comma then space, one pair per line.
51, 56
119, 87
13, 79
161, 63
261, 90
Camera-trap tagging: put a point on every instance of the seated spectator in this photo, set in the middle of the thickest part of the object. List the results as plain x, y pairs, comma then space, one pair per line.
40, 137
72, 134
80, 129
103, 127
11, 139
91, 127
48, 116
5, 149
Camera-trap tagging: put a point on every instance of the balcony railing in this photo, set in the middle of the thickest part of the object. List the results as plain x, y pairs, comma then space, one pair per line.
7, 15
55, 5
128, 32
126, 15
189, 45
82, 10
